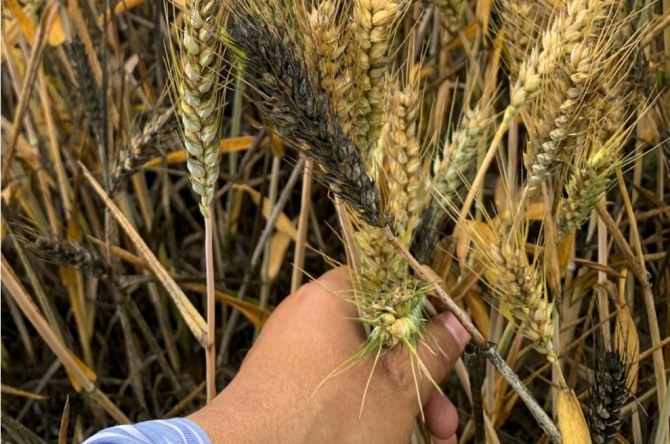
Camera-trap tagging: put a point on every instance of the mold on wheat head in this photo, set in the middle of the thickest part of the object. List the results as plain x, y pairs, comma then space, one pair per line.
277, 72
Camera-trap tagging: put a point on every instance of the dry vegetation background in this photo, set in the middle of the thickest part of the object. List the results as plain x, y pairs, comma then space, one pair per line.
518, 148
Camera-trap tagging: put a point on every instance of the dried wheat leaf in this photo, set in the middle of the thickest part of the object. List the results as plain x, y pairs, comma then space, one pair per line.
65, 420
627, 341
283, 223
27, 26
255, 314
127, 5
500, 196
193, 319
12, 391
80, 375
535, 211
231, 145
466, 231
571, 421
278, 246
469, 32
479, 312
56, 36
565, 252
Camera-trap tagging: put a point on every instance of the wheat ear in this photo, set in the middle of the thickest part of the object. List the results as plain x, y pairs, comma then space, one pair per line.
555, 118
391, 301
373, 23
588, 182
200, 94
521, 288
324, 51
608, 393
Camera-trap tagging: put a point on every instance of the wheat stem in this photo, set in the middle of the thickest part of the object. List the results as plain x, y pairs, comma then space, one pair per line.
210, 351
303, 223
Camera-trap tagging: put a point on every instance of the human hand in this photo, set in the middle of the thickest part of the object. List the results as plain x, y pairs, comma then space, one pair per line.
310, 334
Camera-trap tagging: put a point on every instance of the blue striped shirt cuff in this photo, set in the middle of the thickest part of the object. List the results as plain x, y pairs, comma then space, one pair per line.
174, 431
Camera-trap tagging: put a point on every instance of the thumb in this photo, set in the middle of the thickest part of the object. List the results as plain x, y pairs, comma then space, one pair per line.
443, 345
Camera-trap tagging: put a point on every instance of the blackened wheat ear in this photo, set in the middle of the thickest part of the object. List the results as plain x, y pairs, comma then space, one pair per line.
303, 111
608, 394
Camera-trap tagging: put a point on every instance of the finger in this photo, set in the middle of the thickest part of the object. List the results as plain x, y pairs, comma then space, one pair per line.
441, 416
443, 344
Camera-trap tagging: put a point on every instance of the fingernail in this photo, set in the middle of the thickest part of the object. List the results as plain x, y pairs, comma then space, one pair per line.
456, 329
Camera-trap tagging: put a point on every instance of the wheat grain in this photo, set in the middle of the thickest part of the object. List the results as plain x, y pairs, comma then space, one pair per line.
200, 88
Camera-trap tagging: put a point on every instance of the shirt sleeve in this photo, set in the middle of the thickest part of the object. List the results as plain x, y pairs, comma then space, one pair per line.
174, 431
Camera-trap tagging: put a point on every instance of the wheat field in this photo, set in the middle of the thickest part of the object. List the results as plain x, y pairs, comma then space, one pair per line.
171, 171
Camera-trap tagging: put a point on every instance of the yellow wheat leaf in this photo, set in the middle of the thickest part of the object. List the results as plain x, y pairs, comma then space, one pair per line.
626, 338
123, 6
571, 420
278, 246
230, 145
